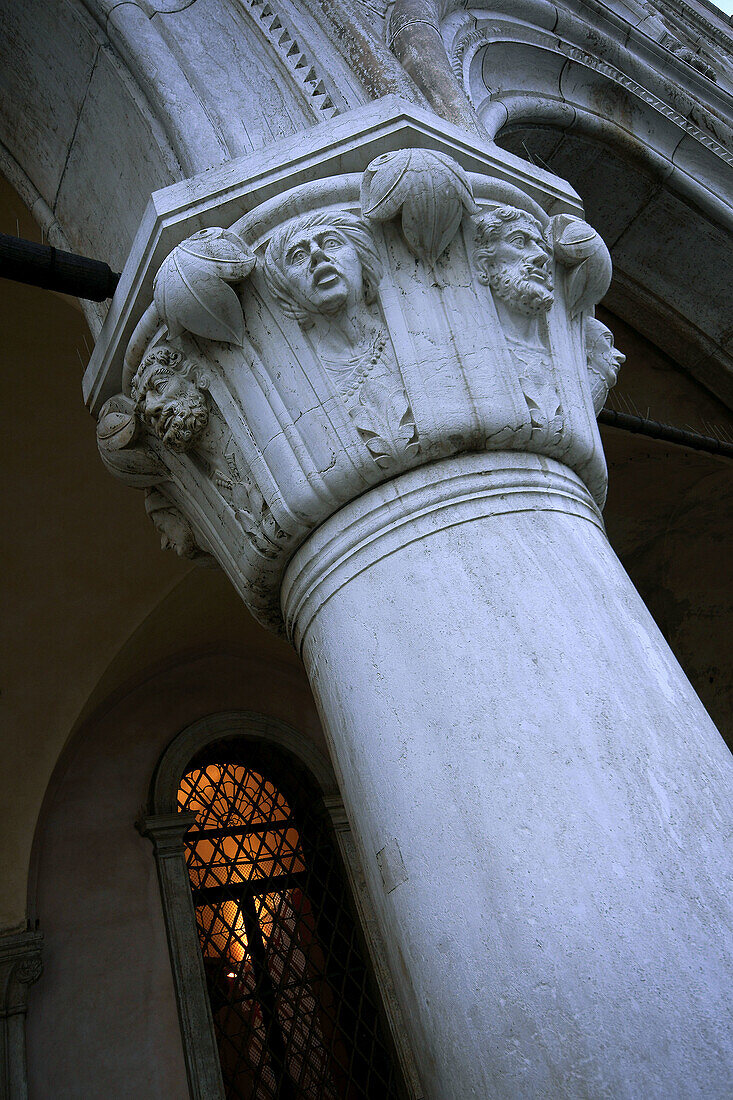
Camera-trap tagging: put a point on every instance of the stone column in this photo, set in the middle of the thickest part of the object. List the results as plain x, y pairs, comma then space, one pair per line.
543, 800
371, 398
20, 966
166, 833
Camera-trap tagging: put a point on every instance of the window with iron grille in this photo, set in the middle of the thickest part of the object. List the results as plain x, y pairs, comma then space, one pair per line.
291, 994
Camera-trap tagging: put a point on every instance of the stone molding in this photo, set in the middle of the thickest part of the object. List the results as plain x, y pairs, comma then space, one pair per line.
565, 66
446, 37
166, 827
21, 966
316, 85
166, 832
163, 799
422, 502
344, 331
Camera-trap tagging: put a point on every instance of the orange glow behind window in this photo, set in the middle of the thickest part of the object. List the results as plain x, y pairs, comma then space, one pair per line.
243, 832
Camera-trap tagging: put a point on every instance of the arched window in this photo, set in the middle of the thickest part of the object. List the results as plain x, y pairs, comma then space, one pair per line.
293, 1002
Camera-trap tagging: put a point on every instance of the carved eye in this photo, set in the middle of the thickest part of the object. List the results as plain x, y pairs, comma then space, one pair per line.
161, 378
518, 239
298, 256
332, 242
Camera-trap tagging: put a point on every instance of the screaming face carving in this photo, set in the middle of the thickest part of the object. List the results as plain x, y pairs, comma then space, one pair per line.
322, 263
323, 268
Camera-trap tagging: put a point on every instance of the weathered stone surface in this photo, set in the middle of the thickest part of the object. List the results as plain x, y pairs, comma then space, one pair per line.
20, 967
507, 714
356, 347
374, 403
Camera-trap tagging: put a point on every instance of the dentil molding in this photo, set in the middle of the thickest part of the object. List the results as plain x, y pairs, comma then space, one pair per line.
374, 298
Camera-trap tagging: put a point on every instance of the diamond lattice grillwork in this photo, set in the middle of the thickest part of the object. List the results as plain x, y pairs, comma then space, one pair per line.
290, 993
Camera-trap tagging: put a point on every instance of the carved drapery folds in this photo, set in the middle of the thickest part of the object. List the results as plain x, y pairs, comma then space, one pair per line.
344, 332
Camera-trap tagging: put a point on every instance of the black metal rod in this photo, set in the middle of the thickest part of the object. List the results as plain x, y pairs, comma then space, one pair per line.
681, 436
44, 266
50, 268
235, 891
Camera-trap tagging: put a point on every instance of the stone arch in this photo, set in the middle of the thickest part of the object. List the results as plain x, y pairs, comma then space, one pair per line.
595, 106
104, 103
231, 724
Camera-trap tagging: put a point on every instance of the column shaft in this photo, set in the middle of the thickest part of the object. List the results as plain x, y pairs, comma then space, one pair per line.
543, 804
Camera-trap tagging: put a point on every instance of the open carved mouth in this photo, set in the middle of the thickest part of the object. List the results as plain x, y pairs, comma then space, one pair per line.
539, 275
326, 275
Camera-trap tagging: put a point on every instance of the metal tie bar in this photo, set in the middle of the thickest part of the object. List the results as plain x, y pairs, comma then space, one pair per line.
48, 267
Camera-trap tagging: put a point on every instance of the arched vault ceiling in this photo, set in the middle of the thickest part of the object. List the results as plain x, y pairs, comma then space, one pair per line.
102, 103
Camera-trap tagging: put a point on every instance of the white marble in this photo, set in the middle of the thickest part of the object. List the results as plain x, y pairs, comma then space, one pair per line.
370, 393
543, 803
345, 330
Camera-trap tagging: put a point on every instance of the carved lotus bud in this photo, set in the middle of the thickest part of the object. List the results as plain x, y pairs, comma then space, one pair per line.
430, 189
117, 425
119, 446
578, 246
192, 290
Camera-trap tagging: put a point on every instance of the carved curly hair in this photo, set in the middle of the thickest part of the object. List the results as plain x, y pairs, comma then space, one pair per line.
164, 357
491, 228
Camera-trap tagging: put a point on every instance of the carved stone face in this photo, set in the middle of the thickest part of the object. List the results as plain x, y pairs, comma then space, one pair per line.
603, 356
175, 533
514, 258
321, 263
324, 268
170, 402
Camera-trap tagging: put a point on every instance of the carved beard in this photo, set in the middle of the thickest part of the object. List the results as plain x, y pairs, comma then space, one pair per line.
180, 420
514, 286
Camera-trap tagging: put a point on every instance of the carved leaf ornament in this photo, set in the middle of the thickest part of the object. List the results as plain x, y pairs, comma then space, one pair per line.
386, 424
578, 246
192, 291
430, 189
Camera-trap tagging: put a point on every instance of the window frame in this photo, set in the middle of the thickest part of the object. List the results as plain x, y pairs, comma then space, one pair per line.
166, 827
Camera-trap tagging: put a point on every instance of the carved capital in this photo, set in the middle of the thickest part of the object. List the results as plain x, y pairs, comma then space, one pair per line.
20, 966
166, 832
344, 330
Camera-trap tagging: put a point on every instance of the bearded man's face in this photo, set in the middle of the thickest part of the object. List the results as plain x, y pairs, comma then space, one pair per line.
517, 268
175, 408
